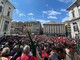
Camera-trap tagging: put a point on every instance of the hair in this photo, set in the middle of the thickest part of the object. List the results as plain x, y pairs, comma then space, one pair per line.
73, 46
25, 49
5, 51
60, 50
54, 48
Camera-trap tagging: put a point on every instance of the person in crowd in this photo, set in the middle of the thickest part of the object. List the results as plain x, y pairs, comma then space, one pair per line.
53, 52
14, 50
58, 53
18, 52
71, 53
45, 53
5, 54
26, 54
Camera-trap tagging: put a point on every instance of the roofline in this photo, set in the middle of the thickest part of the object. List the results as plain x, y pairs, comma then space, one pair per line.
53, 23
11, 4
71, 4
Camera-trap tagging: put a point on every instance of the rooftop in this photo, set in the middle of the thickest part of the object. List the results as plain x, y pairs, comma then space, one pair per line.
11, 4
52, 23
72, 4
75, 3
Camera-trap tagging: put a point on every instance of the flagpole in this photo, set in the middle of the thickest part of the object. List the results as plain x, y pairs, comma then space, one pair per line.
32, 44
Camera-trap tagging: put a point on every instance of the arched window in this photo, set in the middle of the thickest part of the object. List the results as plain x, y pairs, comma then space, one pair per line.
0, 9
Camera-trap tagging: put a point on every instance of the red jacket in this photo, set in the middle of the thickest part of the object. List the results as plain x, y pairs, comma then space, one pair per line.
26, 57
44, 55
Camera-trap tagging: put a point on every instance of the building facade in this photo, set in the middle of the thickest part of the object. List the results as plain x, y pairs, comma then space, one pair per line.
22, 27
16, 27
6, 12
74, 17
67, 28
55, 29
33, 27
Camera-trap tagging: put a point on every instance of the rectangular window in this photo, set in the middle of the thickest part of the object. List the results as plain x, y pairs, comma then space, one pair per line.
6, 25
0, 9
79, 12
8, 14
9, 8
73, 14
75, 27
2, 2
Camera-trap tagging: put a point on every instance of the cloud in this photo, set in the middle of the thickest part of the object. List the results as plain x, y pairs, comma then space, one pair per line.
30, 14
52, 17
63, 10
22, 14
51, 14
16, 20
65, 19
47, 5
45, 12
42, 21
15, 3
66, 1
19, 13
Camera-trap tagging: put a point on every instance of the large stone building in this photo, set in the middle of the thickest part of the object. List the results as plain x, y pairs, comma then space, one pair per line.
22, 27
55, 29
6, 12
17, 27
74, 17
33, 27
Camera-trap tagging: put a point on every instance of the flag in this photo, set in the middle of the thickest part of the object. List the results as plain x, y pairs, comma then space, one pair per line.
32, 45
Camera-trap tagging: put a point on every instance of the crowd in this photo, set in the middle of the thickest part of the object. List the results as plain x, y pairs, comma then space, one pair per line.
46, 48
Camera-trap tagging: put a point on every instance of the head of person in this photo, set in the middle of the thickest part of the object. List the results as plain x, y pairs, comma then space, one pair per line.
21, 48
26, 49
72, 49
5, 51
61, 52
54, 49
15, 47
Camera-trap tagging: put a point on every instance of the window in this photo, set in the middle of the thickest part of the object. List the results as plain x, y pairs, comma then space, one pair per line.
0, 9
75, 26
8, 14
9, 8
78, 4
2, 2
79, 12
73, 14
6, 25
